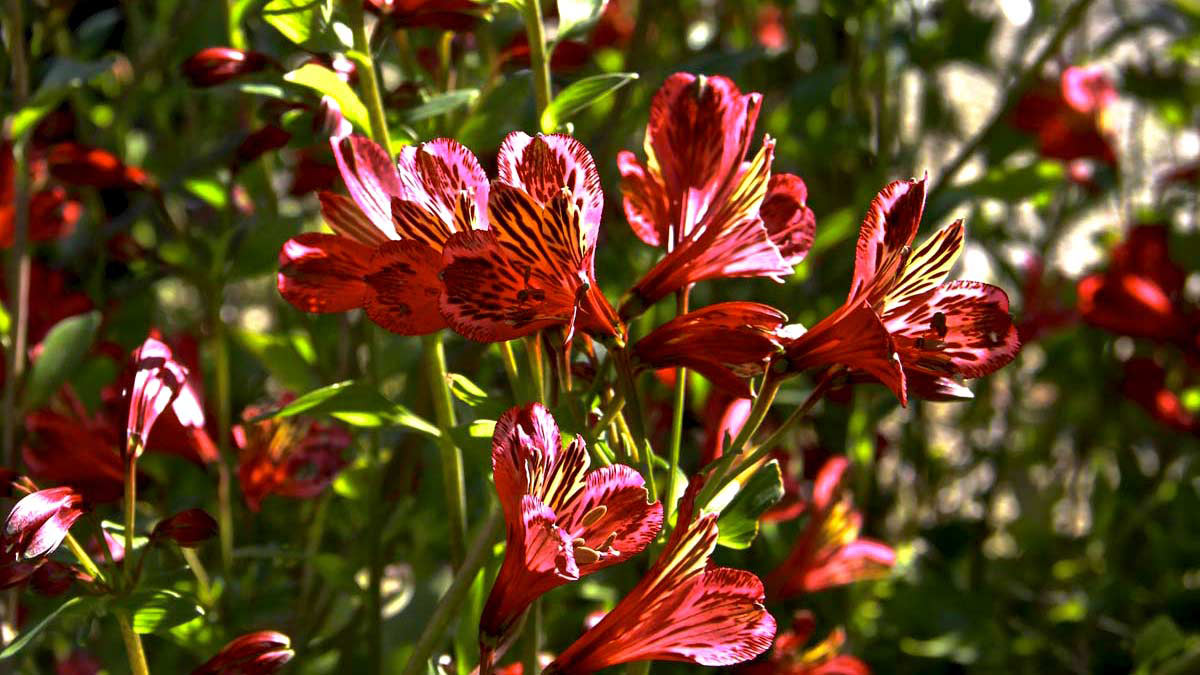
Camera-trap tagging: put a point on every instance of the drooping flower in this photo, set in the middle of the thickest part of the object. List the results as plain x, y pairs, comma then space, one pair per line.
1068, 117
53, 578
829, 551
789, 656
289, 457
1144, 382
1140, 295
260, 653
386, 253
216, 65
939, 332
684, 609
534, 266
39, 522
188, 528
158, 383
728, 343
716, 215
563, 521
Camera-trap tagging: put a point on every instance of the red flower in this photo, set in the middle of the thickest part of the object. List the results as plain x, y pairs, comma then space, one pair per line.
452, 15
260, 653
79, 663
697, 198
728, 343
829, 551
1140, 293
1145, 383
938, 331
80, 164
1068, 117
563, 522
54, 578
188, 528
159, 383
724, 417
74, 452
770, 28
789, 657
1041, 310
39, 522
685, 609
216, 65
387, 251
289, 457
534, 267
52, 214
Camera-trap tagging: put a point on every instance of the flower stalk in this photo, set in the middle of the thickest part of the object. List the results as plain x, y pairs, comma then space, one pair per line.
133, 645
680, 403
539, 59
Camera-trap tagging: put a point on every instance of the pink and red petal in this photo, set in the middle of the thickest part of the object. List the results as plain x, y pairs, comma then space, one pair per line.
545, 165
438, 176
404, 288
370, 177
345, 218
887, 230
785, 213
323, 273
646, 205
860, 560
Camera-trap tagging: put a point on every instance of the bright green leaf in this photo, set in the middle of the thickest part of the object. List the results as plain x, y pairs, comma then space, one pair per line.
304, 22
577, 16
355, 404
63, 76
157, 611
281, 356
465, 390
25, 638
581, 94
325, 81
63, 350
439, 105
738, 523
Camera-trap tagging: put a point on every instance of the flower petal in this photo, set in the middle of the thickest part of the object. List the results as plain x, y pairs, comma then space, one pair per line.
646, 206
927, 266
404, 288
445, 180
959, 328
785, 213
323, 273
345, 218
545, 165
370, 177
860, 560
887, 230
853, 337
612, 515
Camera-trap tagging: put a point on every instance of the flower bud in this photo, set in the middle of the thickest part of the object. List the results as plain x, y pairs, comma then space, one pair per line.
158, 382
39, 522
188, 528
217, 65
260, 653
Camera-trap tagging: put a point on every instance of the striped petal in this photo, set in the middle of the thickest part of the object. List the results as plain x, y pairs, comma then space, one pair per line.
444, 179
404, 288
323, 273
646, 205
959, 328
345, 218
785, 213
928, 265
545, 165
887, 231
370, 177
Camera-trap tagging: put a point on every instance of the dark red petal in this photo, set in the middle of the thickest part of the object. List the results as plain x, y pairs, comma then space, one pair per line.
888, 228
405, 288
788, 219
646, 205
324, 272
853, 337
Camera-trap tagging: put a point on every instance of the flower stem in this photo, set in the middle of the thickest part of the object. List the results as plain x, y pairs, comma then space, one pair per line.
452, 461
201, 574
367, 80
539, 60
510, 369
758, 412
532, 638
445, 612
84, 559
798, 414
220, 349
537, 368
130, 511
636, 422
681, 378
133, 645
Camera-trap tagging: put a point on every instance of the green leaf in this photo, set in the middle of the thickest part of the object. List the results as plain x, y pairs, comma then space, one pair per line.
63, 350
25, 638
325, 81
63, 76
580, 95
439, 105
738, 523
465, 390
577, 16
304, 22
285, 357
1157, 640
355, 404
158, 611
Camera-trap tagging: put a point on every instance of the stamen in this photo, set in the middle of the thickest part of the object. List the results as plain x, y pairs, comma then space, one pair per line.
592, 517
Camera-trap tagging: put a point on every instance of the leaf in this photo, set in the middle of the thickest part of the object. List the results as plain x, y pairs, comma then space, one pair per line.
1157, 640
64, 75
578, 16
282, 356
63, 350
25, 638
738, 523
465, 390
325, 81
355, 404
304, 22
439, 105
158, 611
580, 95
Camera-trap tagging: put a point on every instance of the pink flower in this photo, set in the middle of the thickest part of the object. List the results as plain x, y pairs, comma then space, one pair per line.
158, 384
789, 657
260, 653
39, 522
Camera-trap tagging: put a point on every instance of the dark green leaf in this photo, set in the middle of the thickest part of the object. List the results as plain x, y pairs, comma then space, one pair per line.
580, 95
24, 639
63, 350
439, 105
1158, 640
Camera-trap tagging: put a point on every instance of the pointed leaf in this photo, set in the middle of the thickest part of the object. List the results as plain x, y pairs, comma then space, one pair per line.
578, 16
738, 523
440, 104
158, 611
63, 350
355, 404
304, 22
325, 81
580, 95
25, 638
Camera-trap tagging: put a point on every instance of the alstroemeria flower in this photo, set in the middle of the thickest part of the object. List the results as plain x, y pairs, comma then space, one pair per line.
1068, 116
53, 578
216, 65
1145, 383
939, 332
563, 521
188, 528
386, 254
1140, 295
260, 653
829, 551
158, 383
52, 214
728, 343
534, 266
62, 450
289, 457
789, 656
684, 609
696, 196
724, 417
39, 522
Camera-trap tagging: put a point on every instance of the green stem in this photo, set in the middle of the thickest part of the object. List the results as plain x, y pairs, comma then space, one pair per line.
133, 645
539, 59
636, 422
510, 369
130, 510
798, 414
762, 405
537, 367
84, 559
680, 404
452, 461
447, 608
532, 638
220, 348
367, 80
201, 574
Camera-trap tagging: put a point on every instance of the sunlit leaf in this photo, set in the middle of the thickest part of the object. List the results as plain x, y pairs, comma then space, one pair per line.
579, 95
159, 610
355, 404
304, 22
325, 81
440, 104
578, 16
465, 390
738, 523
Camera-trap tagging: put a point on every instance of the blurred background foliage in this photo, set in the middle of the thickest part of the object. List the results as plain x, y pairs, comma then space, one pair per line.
1046, 526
